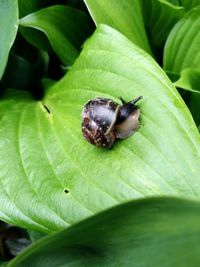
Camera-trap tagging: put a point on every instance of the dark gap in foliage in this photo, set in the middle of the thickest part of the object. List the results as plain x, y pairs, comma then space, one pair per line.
26, 8
157, 50
79, 5
24, 69
38, 92
54, 69
12, 241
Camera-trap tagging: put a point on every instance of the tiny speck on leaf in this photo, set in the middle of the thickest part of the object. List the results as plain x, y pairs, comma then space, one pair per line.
47, 109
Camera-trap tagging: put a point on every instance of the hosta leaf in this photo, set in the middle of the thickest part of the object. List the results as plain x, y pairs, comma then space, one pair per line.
182, 53
22, 74
182, 46
189, 4
34, 236
26, 7
8, 29
160, 17
171, 2
125, 16
51, 177
149, 233
65, 27
189, 80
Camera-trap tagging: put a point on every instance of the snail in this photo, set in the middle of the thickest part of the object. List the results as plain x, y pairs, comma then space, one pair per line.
104, 120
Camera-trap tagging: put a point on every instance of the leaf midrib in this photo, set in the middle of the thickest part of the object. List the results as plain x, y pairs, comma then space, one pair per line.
160, 99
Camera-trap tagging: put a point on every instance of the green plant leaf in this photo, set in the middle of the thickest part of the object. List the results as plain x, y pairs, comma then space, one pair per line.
22, 74
34, 236
189, 4
182, 53
189, 80
125, 16
171, 2
8, 29
30, 6
157, 13
52, 177
149, 233
65, 27
26, 7
182, 46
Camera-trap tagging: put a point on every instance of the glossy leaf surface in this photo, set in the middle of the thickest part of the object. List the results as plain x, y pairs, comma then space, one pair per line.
66, 29
125, 16
149, 233
189, 4
189, 80
8, 29
53, 178
182, 46
26, 7
160, 17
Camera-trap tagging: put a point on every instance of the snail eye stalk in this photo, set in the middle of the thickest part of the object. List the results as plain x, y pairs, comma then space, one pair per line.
122, 100
134, 101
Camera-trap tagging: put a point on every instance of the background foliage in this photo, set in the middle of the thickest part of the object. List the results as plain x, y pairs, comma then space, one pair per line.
54, 58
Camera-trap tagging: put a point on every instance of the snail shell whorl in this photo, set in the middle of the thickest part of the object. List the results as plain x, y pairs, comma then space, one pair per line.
103, 120
99, 116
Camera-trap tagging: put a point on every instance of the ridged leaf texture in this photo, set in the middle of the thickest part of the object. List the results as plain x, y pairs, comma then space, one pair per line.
50, 177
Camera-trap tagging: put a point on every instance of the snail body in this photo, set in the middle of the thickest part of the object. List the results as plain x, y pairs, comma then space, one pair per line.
104, 120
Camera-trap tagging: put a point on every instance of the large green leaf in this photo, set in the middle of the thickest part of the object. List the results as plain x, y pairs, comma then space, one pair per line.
189, 4
125, 16
189, 80
8, 29
51, 177
182, 53
182, 46
65, 27
26, 7
148, 233
160, 17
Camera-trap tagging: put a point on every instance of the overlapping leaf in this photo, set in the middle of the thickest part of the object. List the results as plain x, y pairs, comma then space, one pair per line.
27, 7
182, 46
125, 16
149, 233
66, 29
189, 4
189, 80
160, 17
8, 29
51, 177
181, 55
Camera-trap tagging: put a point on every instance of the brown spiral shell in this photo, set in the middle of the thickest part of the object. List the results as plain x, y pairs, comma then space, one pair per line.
103, 120
98, 118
